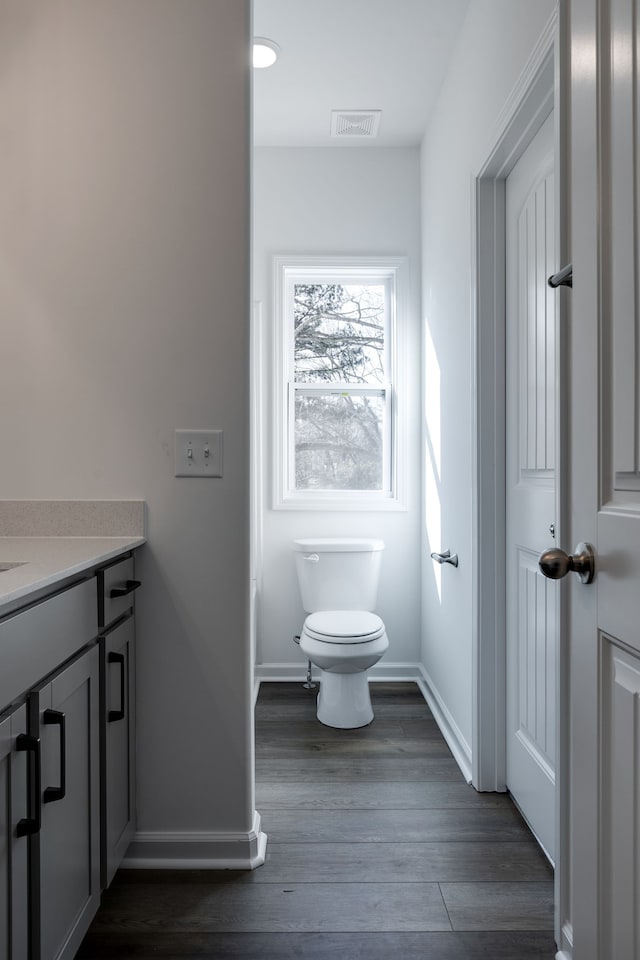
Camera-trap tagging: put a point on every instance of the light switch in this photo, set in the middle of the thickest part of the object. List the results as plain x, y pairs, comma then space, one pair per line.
198, 453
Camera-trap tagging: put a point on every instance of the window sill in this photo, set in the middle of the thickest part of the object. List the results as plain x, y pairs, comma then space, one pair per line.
342, 504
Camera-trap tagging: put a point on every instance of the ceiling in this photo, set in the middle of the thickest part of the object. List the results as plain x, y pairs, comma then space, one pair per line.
388, 55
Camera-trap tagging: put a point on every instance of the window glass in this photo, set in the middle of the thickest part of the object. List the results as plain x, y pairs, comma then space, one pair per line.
339, 332
338, 441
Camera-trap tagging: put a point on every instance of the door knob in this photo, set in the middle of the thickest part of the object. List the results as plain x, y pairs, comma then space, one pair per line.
555, 563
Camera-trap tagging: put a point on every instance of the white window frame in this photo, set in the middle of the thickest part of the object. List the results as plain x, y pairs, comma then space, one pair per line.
392, 271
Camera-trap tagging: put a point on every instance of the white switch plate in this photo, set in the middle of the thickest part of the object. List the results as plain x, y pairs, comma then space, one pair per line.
198, 453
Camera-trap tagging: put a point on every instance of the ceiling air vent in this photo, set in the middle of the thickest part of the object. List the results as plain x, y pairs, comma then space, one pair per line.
355, 123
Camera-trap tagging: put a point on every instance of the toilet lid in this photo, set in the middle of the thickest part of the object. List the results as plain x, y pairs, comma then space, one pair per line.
344, 626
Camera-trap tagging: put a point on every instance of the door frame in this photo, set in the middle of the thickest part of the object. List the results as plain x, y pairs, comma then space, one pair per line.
538, 91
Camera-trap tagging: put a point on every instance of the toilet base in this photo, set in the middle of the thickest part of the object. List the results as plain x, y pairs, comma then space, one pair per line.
344, 700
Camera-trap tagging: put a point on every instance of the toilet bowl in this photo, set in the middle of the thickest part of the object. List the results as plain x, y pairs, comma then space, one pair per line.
344, 644
341, 635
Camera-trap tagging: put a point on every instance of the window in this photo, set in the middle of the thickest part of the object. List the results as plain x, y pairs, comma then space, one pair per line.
336, 370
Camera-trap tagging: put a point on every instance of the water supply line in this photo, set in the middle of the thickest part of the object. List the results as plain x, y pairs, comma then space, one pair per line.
308, 684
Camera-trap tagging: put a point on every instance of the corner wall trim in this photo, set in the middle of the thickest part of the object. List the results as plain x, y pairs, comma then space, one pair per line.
566, 943
448, 727
197, 851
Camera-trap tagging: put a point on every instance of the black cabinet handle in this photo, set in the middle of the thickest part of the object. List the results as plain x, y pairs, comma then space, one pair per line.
129, 587
30, 825
118, 714
51, 794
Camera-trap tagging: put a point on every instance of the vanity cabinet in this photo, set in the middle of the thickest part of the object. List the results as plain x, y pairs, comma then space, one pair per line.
50, 771
67, 760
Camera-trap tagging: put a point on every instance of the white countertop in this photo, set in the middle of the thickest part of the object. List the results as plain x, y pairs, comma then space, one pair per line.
46, 561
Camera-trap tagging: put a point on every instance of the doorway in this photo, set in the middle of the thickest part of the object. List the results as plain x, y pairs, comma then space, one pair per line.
532, 103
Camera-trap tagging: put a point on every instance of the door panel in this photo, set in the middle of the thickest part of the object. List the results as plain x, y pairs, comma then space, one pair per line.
531, 485
621, 798
70, 838
622, 326
618, 520
534, 391
605, 479
536, 657
119, 755
14, 892
6, 836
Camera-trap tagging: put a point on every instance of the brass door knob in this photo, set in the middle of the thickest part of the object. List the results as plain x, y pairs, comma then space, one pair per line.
555, 563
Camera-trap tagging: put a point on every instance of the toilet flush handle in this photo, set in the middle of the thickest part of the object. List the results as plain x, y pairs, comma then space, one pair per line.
312, 557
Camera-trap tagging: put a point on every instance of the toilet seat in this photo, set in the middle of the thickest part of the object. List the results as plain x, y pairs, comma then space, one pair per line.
344, 626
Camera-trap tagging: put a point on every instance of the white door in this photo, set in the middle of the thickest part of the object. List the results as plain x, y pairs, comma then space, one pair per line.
605, 481
532, 609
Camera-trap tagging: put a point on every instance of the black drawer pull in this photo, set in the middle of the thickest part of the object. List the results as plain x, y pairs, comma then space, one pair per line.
118, 714
129, 587
30, 825
51, 794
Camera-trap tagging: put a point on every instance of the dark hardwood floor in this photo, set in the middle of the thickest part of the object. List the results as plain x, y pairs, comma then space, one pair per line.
377, 849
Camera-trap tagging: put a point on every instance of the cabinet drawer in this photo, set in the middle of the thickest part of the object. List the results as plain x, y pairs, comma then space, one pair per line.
116, 588
36, 641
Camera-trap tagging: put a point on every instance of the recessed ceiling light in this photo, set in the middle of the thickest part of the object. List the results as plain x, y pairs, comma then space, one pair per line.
265, 52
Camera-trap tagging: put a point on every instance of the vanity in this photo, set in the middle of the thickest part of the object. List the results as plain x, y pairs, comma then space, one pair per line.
67, 734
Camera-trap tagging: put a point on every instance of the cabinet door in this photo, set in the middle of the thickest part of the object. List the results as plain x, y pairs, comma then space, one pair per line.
14, 809
119, 748
70, 834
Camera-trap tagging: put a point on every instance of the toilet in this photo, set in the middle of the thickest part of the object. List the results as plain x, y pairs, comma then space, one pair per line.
341, 635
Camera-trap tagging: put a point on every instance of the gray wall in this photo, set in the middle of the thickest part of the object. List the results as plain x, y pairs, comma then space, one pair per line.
124, 297
358, 202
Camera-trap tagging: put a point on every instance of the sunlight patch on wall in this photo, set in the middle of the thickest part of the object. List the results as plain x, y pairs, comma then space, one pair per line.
433, 453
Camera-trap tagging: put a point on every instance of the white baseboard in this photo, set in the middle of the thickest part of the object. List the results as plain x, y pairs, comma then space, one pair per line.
292, 672
281, 672
197, 851
448, 727
384, 672
566, 943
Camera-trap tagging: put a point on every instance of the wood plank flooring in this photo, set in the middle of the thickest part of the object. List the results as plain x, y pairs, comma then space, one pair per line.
377, 849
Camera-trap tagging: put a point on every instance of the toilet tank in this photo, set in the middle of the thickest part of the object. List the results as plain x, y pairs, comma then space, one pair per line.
338, 573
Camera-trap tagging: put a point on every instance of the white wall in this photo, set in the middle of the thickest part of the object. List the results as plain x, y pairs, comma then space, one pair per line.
495, 43
353, 201
124, 297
